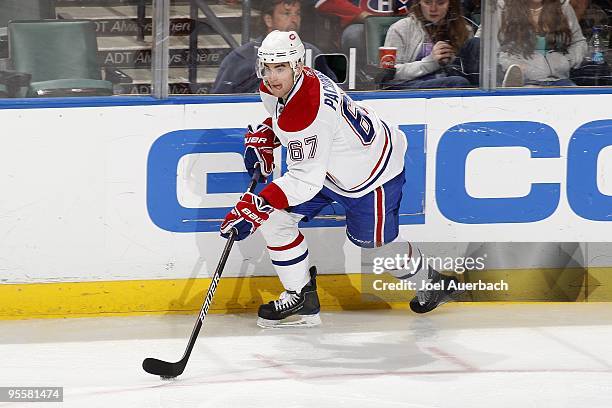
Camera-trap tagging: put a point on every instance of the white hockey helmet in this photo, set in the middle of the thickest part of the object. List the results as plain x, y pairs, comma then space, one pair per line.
280, 46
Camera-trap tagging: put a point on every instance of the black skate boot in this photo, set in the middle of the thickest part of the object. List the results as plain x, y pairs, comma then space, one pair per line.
293, 308
427, 300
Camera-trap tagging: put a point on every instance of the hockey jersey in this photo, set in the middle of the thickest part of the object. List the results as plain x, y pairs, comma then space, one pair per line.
331, 141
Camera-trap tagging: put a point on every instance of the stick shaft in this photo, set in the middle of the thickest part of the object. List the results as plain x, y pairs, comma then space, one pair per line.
215, 279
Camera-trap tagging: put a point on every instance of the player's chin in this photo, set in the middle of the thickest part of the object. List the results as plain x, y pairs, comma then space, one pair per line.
277, 91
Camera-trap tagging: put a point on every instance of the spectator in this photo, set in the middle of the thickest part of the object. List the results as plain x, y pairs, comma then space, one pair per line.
428, 42
540, 40
237, 71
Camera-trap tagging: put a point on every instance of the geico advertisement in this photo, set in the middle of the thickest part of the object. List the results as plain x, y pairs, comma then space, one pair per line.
139, 191
514, 176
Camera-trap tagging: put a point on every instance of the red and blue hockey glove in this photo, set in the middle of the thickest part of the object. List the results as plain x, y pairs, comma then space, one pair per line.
259, 148
248, 214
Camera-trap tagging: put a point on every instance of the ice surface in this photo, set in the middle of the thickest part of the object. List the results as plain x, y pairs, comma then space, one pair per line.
462, 355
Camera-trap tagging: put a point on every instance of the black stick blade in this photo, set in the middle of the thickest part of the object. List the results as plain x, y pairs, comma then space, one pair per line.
163, 368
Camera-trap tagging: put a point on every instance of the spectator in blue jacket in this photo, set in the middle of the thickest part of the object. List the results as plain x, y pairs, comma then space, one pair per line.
237, 71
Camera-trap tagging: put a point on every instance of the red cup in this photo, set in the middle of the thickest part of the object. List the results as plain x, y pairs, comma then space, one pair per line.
386, 56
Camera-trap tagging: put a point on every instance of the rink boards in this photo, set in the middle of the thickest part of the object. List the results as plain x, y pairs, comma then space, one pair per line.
110, 201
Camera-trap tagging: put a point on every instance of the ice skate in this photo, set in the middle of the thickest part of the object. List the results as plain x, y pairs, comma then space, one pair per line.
293, 309
427, 300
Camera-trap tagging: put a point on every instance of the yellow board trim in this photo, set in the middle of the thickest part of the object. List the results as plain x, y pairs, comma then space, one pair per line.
336, 292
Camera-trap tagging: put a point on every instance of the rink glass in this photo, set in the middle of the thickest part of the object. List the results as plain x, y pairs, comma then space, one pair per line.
166, 47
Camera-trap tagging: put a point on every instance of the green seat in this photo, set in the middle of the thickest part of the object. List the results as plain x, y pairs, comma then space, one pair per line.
3, 91
61, 56
376, 28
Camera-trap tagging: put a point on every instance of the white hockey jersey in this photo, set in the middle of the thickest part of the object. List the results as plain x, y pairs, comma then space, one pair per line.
331, 141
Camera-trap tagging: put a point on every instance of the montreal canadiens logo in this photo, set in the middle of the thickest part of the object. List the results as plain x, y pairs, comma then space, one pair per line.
292, 36
380, 6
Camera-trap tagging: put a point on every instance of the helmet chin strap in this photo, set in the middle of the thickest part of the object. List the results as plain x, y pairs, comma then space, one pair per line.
267, 84
296, 78
296, 72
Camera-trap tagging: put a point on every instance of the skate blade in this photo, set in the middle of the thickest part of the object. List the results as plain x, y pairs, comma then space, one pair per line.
291, 321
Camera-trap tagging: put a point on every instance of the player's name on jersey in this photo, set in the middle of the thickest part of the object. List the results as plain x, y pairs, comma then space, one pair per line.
380, 285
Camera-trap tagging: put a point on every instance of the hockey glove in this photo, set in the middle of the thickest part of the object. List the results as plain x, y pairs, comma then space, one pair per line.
259, 148
248, 214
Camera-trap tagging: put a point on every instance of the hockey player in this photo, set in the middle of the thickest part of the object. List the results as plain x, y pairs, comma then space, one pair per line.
337, 151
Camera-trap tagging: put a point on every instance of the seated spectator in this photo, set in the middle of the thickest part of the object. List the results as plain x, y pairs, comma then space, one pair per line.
237, 71
352, 14
539, 42
428, 42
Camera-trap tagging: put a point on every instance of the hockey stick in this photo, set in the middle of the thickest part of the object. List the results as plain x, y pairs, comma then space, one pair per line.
167, 370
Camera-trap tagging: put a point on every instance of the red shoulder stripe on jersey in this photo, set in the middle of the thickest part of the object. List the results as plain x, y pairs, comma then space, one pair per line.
275, 196
263, 88
303, 107
293, 244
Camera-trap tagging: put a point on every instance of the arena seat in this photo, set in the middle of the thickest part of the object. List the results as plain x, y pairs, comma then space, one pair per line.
60, 55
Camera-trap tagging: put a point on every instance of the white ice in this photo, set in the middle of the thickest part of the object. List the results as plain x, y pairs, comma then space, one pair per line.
462, 355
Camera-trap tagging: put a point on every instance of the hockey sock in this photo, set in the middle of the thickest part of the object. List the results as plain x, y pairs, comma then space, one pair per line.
291, 263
